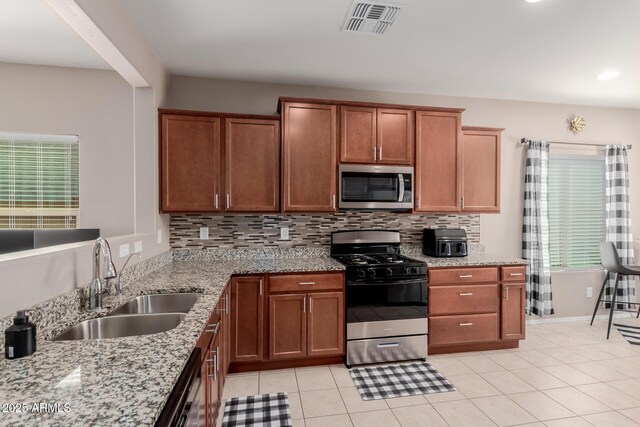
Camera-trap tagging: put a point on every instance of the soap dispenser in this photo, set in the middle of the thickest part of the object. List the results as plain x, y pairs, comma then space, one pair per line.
20, 338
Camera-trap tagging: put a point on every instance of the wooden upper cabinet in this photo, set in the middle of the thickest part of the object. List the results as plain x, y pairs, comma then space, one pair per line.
395, 136
437, 161
247, 319
190, 163
481, 169
358, 134
252, 165
512, 311
309, 157
287, 326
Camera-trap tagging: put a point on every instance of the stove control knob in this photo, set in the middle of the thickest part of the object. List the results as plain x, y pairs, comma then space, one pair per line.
361, 272
405, 270
414, 270
371, 272
388, 272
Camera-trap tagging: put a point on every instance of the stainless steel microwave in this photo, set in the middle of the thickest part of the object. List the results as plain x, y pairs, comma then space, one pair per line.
375, 187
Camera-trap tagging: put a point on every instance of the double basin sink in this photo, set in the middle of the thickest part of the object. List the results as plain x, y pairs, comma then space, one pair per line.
143, 315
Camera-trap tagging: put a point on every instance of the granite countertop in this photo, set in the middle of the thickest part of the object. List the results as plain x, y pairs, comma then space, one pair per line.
125, 381
474, 259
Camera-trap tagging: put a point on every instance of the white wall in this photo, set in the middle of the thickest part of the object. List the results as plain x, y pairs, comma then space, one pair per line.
501, 233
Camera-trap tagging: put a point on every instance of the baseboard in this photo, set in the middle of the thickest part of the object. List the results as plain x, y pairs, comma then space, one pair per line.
577, 318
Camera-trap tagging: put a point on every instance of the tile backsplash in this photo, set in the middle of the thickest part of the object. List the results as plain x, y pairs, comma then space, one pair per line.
256, 231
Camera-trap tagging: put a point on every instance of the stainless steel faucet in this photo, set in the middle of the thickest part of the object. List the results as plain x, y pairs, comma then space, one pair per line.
118, 285
103, 269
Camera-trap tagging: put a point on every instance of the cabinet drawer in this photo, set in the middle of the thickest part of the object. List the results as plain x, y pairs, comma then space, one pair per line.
210, 329
514, 273
466, 299
463, 275
306, 282
463, 329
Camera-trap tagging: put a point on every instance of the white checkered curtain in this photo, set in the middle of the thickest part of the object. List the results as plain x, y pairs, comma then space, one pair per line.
535, 229
619, 221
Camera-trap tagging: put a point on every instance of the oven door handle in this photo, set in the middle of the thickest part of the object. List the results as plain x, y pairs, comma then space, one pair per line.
389, 282
401, 187
388, 344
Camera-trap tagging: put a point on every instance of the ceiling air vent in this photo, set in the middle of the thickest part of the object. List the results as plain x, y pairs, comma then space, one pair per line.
372, 17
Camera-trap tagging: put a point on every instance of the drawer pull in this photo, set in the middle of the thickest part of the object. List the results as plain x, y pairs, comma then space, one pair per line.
466, 294
214, 326
389, 344
465, 276
307, 283
515, 274
466, 324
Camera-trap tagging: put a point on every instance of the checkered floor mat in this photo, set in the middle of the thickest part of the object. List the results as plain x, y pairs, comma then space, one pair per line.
631, 333
263, 410
385, 382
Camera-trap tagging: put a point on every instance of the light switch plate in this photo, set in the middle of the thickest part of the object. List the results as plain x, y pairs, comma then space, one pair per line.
204, 233
124, 250
159, 235
589, 292
139, 246
284, 233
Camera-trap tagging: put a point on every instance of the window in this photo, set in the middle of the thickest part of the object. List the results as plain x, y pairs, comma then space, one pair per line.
38, 181
576, 210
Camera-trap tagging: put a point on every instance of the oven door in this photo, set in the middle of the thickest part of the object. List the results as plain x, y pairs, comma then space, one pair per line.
379, 308
375, 187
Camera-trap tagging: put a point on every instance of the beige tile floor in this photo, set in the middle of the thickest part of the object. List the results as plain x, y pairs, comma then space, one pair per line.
563, 374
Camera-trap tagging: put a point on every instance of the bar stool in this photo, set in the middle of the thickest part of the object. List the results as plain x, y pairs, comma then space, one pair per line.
612, 263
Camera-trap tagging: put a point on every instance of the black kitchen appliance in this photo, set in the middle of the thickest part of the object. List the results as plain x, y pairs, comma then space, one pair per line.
444, 242
386, 297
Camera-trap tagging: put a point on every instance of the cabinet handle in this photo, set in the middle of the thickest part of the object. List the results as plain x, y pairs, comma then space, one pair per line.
260, 287
307, 283
466, 324
506, 289
333, 201
214, 364
465, 276
462, 202
380, 156
310, 305
375, 154
225, 309
216, 201
304, 305
515, 274
214, 326
228, 200
466, 294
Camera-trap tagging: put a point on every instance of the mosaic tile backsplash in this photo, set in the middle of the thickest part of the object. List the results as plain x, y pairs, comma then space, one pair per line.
259, 231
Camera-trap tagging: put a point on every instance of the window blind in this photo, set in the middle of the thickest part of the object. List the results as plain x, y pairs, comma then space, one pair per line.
39, 181
576, 210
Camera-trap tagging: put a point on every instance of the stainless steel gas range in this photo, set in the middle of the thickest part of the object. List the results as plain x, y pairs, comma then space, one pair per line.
386, 297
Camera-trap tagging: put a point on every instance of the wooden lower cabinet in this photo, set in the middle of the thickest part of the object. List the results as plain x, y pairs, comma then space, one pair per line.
512, 312
287, 326
247, 319
325, 324
475, 308
213, 380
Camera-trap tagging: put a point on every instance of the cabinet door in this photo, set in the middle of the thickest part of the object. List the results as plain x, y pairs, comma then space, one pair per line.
287, 326
309, 157
437, 162
481, 171
214, 387
252, 165
325, 324
190, 163
247, 315
395, 136
512, 311
358, 135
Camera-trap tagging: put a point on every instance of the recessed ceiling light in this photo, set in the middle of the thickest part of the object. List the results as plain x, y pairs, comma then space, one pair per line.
533, 1
609, 74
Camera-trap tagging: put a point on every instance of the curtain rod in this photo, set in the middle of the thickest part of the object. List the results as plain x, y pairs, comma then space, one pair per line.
524, 141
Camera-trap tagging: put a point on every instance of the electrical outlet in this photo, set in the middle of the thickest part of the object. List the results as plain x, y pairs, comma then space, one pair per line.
589, 292
159, 235
284, 233
204, 233
124, 250
138, 246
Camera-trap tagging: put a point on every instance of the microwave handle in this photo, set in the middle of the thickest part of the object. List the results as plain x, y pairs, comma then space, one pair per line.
401, 187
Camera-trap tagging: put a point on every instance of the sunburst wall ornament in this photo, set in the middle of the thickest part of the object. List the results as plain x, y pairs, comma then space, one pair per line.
576, 124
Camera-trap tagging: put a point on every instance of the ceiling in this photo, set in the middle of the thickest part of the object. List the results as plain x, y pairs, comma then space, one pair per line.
31, 32
549, 51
